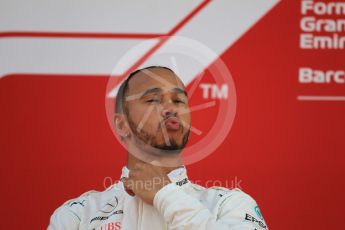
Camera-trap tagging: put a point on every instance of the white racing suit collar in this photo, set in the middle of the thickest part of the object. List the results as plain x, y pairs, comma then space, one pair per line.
177, 176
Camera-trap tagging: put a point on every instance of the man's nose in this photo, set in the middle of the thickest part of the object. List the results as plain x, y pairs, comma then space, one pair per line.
169, 109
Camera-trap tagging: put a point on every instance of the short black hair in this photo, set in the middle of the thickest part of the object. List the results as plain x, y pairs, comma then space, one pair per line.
121, 93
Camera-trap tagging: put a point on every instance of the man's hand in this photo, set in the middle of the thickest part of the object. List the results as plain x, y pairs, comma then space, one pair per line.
145, 180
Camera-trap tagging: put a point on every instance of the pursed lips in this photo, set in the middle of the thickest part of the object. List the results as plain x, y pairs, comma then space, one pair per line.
172, 123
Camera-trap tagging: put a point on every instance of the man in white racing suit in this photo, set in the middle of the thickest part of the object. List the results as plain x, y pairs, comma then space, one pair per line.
152, 120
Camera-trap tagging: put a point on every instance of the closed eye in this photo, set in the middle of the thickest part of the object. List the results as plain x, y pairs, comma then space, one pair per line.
179, 101
152, 101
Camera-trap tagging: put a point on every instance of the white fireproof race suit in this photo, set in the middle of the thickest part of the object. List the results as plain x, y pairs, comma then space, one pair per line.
178, 205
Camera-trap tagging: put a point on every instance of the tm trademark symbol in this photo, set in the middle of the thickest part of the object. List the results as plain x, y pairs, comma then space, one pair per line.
214, 91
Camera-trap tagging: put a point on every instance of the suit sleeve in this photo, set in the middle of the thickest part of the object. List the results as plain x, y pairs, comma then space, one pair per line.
236, 211
64, 219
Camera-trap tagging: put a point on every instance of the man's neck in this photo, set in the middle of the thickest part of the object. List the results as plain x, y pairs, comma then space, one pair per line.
167, 163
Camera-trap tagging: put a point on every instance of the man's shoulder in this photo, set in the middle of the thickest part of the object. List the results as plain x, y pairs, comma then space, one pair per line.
221, 194
89, 202
217, 190
233, 202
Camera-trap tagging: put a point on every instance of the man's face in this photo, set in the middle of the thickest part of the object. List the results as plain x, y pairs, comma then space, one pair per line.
157, 109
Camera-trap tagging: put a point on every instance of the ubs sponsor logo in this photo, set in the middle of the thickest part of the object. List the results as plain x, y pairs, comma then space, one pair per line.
111, 226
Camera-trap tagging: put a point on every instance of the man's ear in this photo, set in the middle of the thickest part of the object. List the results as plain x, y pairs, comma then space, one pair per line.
121, 125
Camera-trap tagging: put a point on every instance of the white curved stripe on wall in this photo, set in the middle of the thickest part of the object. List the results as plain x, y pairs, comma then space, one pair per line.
101, 16
217, 26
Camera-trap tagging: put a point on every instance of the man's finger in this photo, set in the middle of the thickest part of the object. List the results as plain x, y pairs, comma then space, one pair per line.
128, 185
